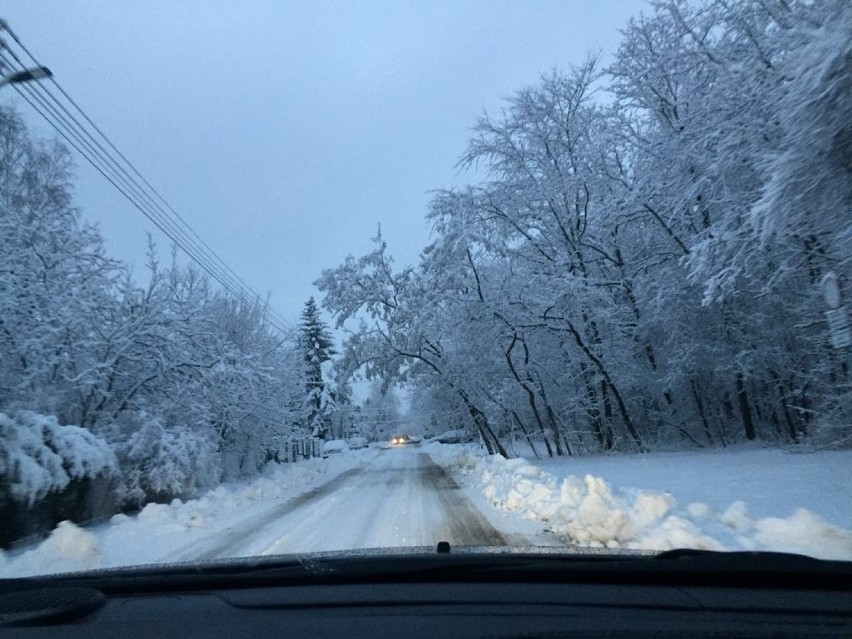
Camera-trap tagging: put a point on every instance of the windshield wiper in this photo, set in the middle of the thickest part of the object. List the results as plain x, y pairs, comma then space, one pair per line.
27, 602
676, 567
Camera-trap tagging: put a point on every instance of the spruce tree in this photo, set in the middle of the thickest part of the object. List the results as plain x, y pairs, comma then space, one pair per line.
317, 346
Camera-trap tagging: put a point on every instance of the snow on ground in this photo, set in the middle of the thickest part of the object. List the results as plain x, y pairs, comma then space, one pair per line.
402, 499
170, 532
723, 499
375, 498
772, 481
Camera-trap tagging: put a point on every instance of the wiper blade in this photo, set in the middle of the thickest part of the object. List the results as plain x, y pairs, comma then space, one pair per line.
325, 571
678, 567
751, 561
747, 559
36, 603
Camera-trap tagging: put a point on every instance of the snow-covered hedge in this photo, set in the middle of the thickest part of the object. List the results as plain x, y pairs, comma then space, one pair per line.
159, 463
39, 456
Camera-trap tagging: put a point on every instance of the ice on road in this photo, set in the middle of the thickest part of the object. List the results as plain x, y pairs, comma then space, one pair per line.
402, 498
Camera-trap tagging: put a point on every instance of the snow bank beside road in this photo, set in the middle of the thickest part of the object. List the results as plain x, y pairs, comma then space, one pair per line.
772, 481
162, 533
589, 512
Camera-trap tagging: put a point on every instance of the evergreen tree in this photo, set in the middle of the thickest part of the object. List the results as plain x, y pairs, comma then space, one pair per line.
317, 347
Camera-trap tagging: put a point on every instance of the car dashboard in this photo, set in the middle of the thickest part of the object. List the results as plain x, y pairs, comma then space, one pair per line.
440, 596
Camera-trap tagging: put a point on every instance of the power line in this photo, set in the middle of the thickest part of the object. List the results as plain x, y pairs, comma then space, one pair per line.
124, 176
173, 229
107, 166
130, 190
99, 160
115, 175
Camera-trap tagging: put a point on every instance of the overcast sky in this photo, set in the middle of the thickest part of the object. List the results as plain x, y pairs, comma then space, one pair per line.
285, 132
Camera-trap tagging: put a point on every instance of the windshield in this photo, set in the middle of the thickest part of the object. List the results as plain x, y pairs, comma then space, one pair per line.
283, 278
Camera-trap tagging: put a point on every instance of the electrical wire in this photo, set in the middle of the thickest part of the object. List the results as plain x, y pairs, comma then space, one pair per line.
143, 196
223, 271
84, 147
102, 163
106, 166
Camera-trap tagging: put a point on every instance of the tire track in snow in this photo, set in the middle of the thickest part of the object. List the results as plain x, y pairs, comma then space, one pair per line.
403, 498
468, 527
338, 521
227, 543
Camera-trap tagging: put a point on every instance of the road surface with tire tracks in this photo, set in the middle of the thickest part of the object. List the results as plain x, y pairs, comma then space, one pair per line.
400, 498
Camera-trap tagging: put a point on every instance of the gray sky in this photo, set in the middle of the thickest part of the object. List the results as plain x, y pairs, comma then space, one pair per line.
284, 132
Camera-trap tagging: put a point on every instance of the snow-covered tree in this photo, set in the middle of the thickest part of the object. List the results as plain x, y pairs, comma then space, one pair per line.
317, 346
643, 271
380, 413
181, 384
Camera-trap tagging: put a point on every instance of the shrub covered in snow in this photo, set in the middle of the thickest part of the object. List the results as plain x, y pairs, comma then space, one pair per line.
160, 463
453, 437
334, 446
358, 442
39, 456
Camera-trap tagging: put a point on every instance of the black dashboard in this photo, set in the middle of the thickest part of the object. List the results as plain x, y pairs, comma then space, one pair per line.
441, 596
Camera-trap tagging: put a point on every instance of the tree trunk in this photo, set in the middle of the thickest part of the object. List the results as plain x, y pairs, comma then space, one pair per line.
531, 397
702, 413
616, 395
745, 409
480, 420
602, 431
529, 439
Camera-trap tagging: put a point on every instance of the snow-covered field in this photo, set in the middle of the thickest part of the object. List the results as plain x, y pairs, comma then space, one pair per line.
728, 499
720, 499
773, 482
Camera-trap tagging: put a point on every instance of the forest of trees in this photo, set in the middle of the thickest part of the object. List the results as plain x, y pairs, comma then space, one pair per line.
640, 266
117, 392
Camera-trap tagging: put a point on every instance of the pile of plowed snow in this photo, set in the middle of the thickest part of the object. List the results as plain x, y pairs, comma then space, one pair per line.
587, 511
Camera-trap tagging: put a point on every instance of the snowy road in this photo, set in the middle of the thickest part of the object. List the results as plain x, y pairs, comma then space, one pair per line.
402, 498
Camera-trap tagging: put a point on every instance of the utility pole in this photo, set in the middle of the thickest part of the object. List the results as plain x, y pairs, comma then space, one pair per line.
27, 75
